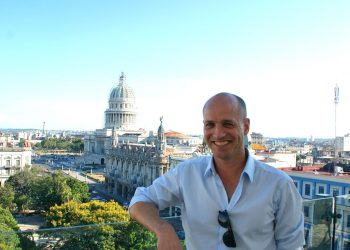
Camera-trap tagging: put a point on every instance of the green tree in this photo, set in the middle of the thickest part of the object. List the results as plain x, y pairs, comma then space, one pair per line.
21, 183
8, 226
51, 190
62, 144
49, 143
122, 234
80, 190
57, 189
7, 197
135, 237
77, 145
74, 213
35, 189
74, 145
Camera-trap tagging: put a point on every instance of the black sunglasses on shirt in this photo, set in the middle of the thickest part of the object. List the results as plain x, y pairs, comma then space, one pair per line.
224, 220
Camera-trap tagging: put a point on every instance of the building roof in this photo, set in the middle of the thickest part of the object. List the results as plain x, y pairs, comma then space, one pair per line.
7, 149
175, 134
316, 172
257, 147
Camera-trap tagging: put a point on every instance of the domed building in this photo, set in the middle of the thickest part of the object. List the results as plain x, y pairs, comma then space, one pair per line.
131, 157
120, 123
121, 113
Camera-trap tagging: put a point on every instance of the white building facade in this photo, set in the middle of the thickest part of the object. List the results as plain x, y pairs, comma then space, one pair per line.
120, 118
13, 160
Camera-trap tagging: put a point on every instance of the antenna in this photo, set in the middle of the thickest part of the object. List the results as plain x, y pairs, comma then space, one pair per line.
336, 101
43, 132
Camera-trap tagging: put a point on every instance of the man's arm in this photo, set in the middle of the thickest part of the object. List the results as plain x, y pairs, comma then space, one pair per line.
289, 227
147, 214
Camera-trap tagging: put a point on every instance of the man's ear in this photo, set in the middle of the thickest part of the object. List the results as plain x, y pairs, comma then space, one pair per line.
246, 124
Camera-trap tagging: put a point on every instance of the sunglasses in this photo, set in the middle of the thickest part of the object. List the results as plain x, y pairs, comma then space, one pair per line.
224, 220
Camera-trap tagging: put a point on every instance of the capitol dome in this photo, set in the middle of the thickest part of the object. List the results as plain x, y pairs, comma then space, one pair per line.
121, 91
121, 112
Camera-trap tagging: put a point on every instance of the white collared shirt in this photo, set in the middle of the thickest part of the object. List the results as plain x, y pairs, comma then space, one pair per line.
265, 210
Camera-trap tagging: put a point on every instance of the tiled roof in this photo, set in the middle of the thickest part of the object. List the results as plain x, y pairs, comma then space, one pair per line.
256, 146
175, 134
315, 170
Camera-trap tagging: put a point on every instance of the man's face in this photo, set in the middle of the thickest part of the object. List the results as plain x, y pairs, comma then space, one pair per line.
224, 127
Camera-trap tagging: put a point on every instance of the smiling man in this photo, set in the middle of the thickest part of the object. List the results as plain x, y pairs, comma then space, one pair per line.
229, 199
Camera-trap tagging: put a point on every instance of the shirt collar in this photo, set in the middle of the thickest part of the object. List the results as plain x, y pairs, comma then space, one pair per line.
248, 169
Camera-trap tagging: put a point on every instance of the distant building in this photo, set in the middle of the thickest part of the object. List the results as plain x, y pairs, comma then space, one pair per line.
6, 140
133, 157
257, 138
130, 165
120, 121
346, 146
277, 159
13, 160
317, 189
175, 138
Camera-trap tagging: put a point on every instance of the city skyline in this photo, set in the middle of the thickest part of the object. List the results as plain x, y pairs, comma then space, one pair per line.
59, 60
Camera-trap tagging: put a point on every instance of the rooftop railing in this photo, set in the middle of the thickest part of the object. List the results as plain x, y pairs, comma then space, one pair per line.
327, 222
327, 226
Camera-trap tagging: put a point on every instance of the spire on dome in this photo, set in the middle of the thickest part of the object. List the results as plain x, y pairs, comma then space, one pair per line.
122, 79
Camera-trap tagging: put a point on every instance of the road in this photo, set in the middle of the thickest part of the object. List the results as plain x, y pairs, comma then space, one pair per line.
78, 175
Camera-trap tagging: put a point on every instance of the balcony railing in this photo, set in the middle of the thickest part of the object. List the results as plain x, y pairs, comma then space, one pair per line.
327, 226
94, 236
327, 223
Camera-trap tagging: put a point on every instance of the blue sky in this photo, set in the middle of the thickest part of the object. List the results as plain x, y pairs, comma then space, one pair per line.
59, 61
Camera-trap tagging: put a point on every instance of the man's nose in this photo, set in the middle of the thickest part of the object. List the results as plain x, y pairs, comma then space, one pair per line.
219, 131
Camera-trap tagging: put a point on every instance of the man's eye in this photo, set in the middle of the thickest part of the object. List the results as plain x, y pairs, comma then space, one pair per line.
208, 125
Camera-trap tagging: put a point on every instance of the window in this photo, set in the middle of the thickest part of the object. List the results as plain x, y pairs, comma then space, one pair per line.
347, 191
335, 190
321, 188
307, 234
347, 199
296, 183
306, 211
18, 163
8, 163
346, 221
307, 192
307, 189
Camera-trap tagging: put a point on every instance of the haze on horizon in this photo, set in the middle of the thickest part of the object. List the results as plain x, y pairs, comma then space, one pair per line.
59, 61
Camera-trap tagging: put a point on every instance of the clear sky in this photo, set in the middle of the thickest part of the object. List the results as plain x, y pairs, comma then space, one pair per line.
59, 60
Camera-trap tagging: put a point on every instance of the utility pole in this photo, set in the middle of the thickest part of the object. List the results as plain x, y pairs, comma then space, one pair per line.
336, 101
